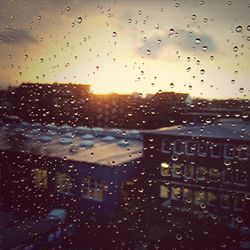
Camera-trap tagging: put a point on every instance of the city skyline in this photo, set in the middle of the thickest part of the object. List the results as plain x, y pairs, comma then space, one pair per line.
194, 47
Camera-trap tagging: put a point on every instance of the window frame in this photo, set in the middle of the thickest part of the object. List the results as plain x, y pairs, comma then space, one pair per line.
225, 151
163, 146
215, 156
187, 147
199, 147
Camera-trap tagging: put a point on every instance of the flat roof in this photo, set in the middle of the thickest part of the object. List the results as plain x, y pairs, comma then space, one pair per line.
109, 147
233, 129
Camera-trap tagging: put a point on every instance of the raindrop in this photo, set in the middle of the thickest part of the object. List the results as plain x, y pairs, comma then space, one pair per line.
193, 17
239, 219
235, 49
171, 85
129, 20
68, 8
178, 236
79, 20
238, 28
202, 71
233, 81
159, 41
139, 12
211, 57
241, 90
204, 48
248, 27
114, 34
174, 157
41, 60
171, 31
148, 52
188, 69
197, 40
39, 18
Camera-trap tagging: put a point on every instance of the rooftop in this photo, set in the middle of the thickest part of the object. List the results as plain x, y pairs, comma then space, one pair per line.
233, 129
109, 147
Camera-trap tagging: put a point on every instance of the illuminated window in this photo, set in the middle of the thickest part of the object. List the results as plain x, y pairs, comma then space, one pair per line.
189, 171
40, 178
179, 147
239, 202
201, 173
64, 183
242, 152
164, 191
241, 178
176, 170
199, 197
167, 146
203, 149
211, 199
190, 148
229, 151
216, 150
225, 200
187, 195
176, 193
214, 174
165, 169
93, 189
227, 176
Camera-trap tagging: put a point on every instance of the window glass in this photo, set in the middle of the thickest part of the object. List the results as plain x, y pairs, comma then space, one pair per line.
214, 174
239, 202
211, 199
92, 189
64, 183
227, 176
190, 148
176, 170
167, 146
176, 193
241, 177
199, 197
216, 150
187, 195
242, 152
165, 169
40, 178
179, 147
225, 200
229, 151
164, 191
203, 149
201, 173
189, 171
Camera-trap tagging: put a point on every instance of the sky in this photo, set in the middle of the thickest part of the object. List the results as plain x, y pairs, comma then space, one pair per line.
196, 47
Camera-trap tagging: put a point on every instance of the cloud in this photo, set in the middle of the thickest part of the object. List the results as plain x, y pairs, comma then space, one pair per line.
182, 40
16, 36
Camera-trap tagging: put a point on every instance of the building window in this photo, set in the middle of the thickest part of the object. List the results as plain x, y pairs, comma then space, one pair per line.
40, 178
214, 174
239, 202
190, 148
201, 173
199, 197
229, 151
165, 169
216, 150
189, 171
241, 178
202, 149
225, 201
211, 199
64, 183
187, 195
242, 152
176, 170
164, 191
176, 193
179, 147
92, 189
227, 176
167, 146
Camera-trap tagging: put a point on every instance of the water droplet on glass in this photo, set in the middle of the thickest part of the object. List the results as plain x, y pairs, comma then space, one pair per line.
79, 20
41, 60
248, 27
148, 52
238, 28
171, 85
39, 18
171, 31
241, 90
114, 34
68, 8
235, 49
193, 17
204, 48
197, 40
129, 20
178, 236
139, 12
